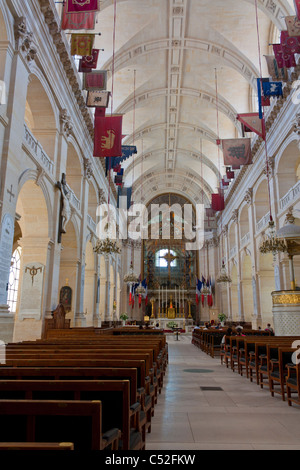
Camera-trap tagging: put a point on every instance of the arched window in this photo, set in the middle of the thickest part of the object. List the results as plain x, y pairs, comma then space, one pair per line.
13, 283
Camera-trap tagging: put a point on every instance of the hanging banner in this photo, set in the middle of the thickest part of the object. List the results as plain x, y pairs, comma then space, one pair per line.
290, 45
237, 152
284, 58
95, 81
293, 25
77, 21
272, 88
297, 8
108, 136
82, 44
275, 72
89, 62
82, 6
252, 123
217, 202
98, 99
100, 112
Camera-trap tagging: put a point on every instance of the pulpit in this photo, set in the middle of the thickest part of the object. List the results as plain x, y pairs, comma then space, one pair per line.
58, 322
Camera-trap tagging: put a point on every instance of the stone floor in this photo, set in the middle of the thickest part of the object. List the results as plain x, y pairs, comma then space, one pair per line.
241, 416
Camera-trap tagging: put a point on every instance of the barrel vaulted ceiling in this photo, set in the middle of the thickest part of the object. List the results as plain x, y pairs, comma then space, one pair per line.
176, 49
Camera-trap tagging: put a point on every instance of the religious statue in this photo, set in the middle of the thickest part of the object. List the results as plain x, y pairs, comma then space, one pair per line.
65, 213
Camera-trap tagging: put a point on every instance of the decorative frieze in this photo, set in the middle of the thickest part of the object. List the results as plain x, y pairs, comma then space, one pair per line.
249, 196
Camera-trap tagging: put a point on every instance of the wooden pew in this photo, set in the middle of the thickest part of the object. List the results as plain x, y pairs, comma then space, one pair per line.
144, 395
36, 446
271, 355
279, 371
79, 422
114, 396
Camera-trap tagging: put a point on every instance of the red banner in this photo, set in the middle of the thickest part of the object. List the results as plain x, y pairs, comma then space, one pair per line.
82, 44
217, 202
89, 62
290, 45
283, 58
76, 21
108, 136
82, 6
96, 81
237, 152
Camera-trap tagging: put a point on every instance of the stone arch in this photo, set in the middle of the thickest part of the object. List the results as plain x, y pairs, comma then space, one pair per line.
41, 115
244, 221
288, 168
92, 201
33, 222
261, 198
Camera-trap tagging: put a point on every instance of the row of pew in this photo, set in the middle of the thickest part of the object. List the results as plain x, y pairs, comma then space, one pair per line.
81, 390
210, 340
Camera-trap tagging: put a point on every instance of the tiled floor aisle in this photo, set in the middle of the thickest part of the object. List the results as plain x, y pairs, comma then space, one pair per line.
241, 417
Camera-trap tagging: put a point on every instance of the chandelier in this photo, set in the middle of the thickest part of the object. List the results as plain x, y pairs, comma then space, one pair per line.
106, 247
271, 243
223, 278
131, 278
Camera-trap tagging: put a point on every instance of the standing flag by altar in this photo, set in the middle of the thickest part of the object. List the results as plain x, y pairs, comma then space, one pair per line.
237, 152
251, 122
77, 21
144, 284
210, 300
297, 8
82, 6
82, 44
198, 290
275, 72
202, 296
293, 25
108, 136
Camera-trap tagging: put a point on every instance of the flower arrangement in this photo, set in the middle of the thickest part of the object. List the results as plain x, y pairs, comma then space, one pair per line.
222, 317
124, 317
172, 324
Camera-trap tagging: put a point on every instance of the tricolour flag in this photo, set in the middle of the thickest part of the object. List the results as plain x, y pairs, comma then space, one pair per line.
77, 21
293, 25
144, 284
237, 152
82, 6
82, 44
252, 123
108, 136
198, 290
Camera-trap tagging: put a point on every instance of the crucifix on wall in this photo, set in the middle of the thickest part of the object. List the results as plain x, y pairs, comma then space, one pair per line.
169, 258
65, 209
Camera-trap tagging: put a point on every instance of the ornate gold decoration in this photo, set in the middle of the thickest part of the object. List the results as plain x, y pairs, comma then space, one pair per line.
288, 298
106, 247
271, 243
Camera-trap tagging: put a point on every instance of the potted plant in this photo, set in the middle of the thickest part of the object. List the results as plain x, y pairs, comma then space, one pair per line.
222, 317
124, 317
